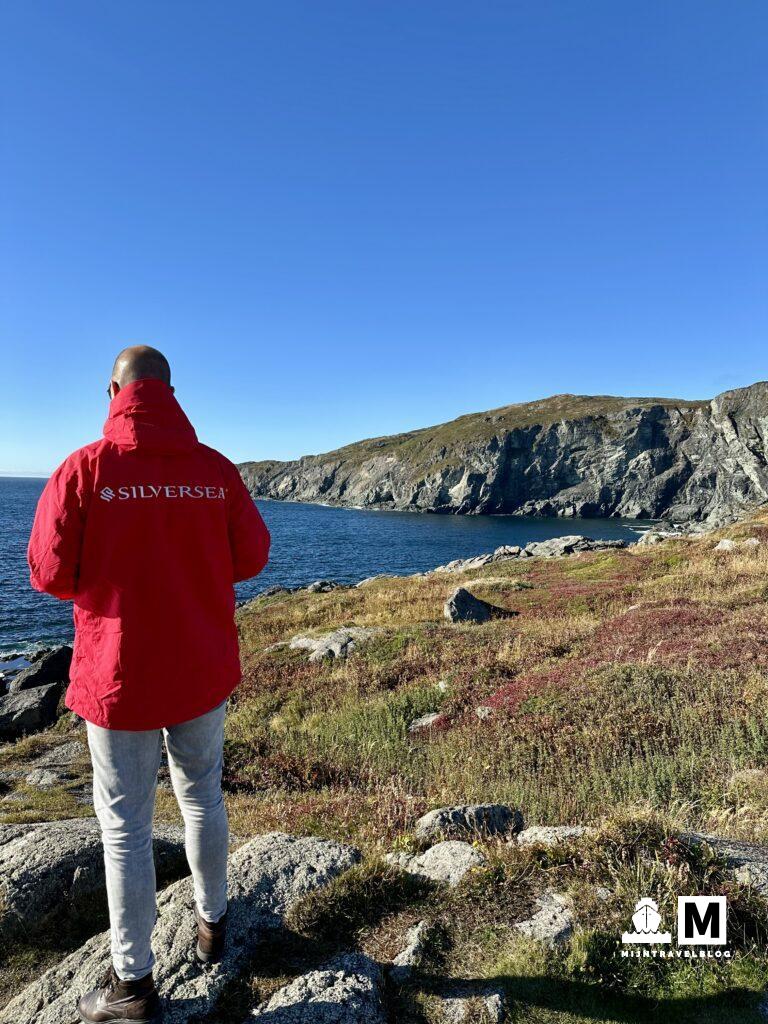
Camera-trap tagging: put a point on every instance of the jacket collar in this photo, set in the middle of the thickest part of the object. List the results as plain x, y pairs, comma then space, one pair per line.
146, 415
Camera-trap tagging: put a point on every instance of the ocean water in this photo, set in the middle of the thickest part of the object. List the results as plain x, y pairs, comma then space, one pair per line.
309, 542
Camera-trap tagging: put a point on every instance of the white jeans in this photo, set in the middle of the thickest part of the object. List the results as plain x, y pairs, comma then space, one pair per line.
125, 766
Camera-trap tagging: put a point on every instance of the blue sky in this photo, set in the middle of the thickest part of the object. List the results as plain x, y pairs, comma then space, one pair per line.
345, 219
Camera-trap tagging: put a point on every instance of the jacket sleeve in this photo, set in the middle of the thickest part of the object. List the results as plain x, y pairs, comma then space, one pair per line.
248, 535
56, 540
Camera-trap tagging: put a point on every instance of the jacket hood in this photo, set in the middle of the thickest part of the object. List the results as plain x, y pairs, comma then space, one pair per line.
146, 415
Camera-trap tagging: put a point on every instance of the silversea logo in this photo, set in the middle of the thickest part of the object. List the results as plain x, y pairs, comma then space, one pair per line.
127, 492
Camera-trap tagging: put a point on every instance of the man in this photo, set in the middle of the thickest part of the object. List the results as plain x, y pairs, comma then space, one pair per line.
146, 531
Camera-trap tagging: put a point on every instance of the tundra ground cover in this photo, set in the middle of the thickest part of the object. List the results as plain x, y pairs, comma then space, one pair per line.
628, 676
629, 693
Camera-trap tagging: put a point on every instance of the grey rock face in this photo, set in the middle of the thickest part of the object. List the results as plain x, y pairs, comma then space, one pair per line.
45, 866
267, 876
652, 537
446, 862
637, 458
553, 922
750, 544
29, 710
475, 562
345, 991
51, 667
412, 955
462, 606
747, 861
462, 1002
551, 835
556, 547
508, 551
49, 768
426, 722
338, 644
42, 778
61, 756
373, 579
469, 820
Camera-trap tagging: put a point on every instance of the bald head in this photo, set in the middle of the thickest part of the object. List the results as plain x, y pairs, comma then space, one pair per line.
140, 362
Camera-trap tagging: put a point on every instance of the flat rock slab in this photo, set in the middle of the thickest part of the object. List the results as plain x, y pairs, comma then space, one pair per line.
337, 644
50, 768
469, 820
46, 866
62, 756
345, 991
267, 876
446, 862
552, 835
467, 1002
553, 922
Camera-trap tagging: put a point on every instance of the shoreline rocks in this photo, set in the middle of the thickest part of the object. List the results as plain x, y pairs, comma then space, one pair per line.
29, 710
51, 666
553, 547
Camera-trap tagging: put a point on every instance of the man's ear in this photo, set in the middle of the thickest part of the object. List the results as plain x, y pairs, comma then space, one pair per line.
114, 388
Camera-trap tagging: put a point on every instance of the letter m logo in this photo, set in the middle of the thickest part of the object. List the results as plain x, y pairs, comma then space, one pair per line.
701, 920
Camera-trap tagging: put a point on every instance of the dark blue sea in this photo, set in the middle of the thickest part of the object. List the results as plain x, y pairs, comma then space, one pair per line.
309, 542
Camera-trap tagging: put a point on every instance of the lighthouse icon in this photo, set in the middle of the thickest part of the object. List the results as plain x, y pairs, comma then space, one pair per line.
646, 921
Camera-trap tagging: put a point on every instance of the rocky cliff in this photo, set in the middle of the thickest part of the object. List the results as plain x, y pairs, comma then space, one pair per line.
568, 456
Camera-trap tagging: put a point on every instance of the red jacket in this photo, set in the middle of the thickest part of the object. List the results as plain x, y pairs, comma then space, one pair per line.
146, 531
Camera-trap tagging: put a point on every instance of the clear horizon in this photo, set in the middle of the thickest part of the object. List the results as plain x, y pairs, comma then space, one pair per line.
343, 221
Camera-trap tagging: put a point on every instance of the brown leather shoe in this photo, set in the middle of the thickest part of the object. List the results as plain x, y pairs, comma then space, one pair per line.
116, 1000
210, 939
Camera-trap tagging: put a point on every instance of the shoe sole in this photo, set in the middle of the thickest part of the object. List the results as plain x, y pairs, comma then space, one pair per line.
157, 1019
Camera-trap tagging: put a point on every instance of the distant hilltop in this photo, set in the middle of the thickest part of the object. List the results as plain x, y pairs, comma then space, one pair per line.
569, 455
